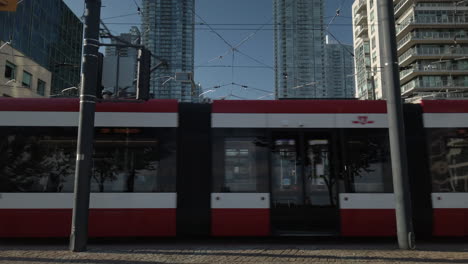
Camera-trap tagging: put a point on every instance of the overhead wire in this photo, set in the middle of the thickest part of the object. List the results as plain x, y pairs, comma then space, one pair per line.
120, 16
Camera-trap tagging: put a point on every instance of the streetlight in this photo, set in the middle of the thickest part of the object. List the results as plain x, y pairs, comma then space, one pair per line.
10, 81
4, 44
208, 91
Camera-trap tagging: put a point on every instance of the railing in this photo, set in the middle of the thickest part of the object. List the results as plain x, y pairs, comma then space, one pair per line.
399, 5
446, 84
360, 30
435, 67
430, 20
426, 51
431, 36
361, 4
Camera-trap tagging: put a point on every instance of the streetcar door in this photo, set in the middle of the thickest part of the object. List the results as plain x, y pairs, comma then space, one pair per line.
303, 185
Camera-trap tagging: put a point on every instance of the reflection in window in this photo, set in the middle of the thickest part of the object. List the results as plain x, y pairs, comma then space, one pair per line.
240, 164
286, 173
367, 162
125, 160
448, 156
319, 182
32, 161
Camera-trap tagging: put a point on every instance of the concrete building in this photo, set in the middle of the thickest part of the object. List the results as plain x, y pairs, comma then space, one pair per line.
432, 43
21, 76
299, 49
168, 32
339, 70
49, 33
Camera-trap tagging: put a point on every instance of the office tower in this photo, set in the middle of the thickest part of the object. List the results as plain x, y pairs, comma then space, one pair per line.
339, 69
299, 49
49, 33
168, 32
432, 43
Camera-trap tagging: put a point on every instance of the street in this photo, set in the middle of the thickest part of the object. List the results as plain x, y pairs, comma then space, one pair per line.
257, 251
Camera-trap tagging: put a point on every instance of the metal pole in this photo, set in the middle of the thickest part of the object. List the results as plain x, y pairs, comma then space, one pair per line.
391, 80
84, 153
116, 92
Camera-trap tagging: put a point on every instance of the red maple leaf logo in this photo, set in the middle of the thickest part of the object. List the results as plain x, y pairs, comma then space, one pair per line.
363, 120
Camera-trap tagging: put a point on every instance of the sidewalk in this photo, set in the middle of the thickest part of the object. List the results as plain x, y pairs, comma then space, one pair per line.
229, 251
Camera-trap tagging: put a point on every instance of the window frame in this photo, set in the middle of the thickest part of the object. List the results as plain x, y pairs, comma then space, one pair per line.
11, 65
38, 90
26, 85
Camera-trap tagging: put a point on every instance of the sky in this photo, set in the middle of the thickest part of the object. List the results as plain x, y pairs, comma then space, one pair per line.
234, 20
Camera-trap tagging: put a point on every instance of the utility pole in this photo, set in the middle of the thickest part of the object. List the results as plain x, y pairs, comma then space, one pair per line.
391, 78
84, 153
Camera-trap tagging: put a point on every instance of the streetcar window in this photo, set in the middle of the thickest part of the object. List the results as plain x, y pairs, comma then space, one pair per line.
43, 159
37, 159
240, 164
367, 161
448, 156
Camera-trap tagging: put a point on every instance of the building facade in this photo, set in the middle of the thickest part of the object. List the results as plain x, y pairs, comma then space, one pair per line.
168, 32
21, 76
368, 77
339, 70
432, 39
49, 33
299, 49
432, 44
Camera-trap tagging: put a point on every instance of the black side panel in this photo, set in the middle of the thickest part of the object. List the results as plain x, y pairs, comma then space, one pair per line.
194, 170
418, 170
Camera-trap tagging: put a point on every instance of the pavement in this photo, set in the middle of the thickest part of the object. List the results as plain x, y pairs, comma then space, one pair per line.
281, 250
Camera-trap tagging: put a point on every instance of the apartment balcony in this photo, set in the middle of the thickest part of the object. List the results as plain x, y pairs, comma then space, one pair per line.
408, 25
402, 6
416, 86
360, 19
418, 53
362, 6
414, 38
361, 32
432, 69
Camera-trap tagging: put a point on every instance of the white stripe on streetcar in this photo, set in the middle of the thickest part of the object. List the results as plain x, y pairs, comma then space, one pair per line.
97, 200
238, 120
449, 200
102, 119
445, 120
367, 201
240, 200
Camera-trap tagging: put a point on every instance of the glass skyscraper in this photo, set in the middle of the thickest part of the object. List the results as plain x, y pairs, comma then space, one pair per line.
168, 32
299, 49
339, 70
48, 32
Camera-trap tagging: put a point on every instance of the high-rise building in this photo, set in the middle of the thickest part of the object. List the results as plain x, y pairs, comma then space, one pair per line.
299, 49
168, 32
121, 60
49, 33
432, 44
133, 37
339, 70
